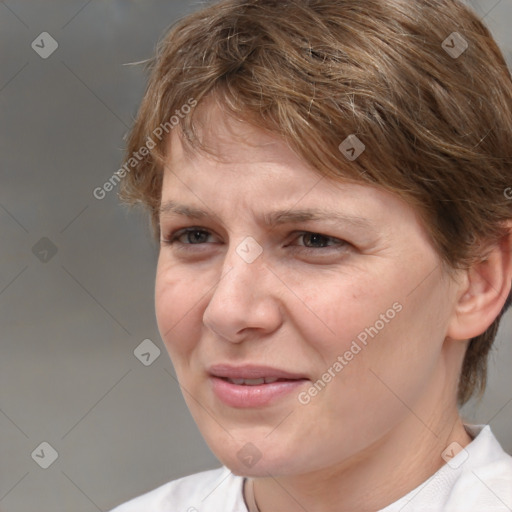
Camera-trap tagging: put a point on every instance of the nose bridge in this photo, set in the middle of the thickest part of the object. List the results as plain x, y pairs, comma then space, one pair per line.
243, 267
241, 299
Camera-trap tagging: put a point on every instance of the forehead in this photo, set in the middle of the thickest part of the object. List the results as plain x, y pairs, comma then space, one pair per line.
250, 175
272, 184
226, 140
239, 157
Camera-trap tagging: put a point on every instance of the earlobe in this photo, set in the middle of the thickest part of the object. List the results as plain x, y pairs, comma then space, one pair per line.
483, 291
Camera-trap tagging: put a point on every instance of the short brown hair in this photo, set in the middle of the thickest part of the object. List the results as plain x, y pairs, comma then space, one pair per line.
437, 126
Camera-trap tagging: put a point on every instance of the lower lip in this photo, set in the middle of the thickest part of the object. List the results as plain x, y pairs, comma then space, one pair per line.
253, 396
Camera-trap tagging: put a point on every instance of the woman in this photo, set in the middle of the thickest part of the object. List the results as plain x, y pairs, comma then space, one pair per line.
329, 181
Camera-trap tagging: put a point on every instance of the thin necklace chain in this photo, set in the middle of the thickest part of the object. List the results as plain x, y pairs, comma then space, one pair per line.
251, 499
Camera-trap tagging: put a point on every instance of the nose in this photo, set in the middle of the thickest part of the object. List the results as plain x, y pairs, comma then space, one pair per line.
244, 302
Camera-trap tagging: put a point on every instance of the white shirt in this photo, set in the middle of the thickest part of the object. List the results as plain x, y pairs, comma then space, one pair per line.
477, 479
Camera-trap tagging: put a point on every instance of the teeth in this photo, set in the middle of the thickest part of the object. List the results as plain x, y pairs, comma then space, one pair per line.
253, 382
241, 381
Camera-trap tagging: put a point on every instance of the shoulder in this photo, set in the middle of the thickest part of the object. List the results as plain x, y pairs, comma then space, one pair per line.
216, 489
475, 478
485, 479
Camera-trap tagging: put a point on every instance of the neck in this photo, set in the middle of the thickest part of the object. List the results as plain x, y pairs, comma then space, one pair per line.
398, 463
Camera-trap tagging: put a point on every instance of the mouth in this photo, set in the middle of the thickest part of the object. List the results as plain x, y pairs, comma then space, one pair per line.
253, 386
255, 382
252, 372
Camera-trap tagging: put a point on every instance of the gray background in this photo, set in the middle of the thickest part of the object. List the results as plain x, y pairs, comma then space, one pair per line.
72, 320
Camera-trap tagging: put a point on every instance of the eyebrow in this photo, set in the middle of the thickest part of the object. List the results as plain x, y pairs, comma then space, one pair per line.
275, 218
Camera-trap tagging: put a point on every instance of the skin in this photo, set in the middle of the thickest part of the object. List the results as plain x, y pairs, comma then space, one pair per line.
377, 430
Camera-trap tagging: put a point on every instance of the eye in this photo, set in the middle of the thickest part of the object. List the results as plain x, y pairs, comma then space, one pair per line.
187, 236
318, 241
315, 243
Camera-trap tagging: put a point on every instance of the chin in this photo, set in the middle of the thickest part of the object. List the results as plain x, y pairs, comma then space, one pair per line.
260, 469
248, 452
248, 461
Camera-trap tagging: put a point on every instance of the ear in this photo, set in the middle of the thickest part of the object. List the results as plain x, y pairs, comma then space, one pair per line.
483, 291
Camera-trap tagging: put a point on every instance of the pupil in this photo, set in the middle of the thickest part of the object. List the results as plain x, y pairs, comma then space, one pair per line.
196, 236
315, 238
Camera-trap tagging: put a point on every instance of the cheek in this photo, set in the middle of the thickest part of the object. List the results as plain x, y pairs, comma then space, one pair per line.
334, 310
357, 324
390, 340
176, 307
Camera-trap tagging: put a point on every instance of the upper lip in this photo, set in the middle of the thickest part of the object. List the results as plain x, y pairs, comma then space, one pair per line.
250, 371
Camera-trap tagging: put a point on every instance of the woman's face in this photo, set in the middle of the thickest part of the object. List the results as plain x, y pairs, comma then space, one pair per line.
349, 300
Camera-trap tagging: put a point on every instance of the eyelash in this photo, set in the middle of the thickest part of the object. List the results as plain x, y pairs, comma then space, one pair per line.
174, 236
